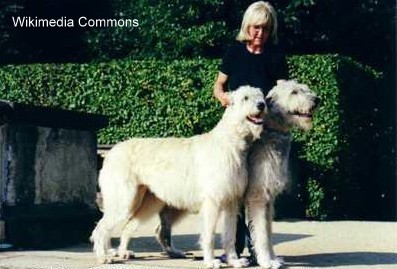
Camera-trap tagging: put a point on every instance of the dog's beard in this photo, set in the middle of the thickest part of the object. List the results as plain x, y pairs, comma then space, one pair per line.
256, 130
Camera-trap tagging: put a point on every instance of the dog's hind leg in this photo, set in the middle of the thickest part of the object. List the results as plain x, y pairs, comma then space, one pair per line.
102, 234
168, 217
210, 211
149, 205
229, 235
131, 225
101, 238
118, 199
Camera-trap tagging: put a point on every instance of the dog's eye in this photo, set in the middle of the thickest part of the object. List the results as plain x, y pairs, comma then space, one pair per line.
294, 92
245, 98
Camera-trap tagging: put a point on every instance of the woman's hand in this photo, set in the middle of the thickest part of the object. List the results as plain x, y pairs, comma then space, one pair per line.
224, 99
219, 89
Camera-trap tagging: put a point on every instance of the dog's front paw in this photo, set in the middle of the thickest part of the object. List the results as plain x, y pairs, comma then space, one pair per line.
214, 263
112, 252
105, 260
277, 263
125, 254
239, 263
265, 263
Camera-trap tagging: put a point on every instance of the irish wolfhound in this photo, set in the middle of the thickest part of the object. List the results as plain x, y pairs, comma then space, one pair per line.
204, 173
290, 104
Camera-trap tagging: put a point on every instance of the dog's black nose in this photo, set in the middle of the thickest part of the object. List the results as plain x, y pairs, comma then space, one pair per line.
261, 106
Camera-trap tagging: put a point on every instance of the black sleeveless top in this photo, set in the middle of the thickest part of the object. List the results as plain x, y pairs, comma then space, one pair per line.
257, 70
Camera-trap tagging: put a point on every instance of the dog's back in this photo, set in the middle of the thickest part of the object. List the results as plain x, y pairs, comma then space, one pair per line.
179, 171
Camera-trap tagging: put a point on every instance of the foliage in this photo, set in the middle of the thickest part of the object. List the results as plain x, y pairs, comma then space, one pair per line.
316, 198
166, 29
176, 29
141, 98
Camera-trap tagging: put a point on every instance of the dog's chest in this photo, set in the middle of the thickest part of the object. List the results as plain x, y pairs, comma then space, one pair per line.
225, 175
268, 163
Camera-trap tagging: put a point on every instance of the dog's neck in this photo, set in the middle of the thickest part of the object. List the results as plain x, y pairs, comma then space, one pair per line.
226, 131
276, 123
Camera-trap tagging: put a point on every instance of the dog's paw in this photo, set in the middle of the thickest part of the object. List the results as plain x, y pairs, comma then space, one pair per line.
277, 263
265, 263
105, 260
125, 254
239, 263
112, 252
214, 263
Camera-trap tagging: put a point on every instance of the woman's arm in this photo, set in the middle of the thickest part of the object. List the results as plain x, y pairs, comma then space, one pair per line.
220, 89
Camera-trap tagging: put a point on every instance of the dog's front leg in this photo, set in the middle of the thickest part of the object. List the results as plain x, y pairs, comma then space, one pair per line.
210, 211
277, 262
229, 236
259, 227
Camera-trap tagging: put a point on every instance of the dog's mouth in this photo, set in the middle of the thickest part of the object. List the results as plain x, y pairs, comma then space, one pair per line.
307, 115
255, 119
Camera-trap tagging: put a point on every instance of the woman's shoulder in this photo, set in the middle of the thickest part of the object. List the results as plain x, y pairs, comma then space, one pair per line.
275, 48
274, 52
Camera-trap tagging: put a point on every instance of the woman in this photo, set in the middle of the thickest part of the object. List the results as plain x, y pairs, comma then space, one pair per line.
254, 60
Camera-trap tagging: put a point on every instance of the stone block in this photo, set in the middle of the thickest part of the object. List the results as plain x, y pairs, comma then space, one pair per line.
48, 174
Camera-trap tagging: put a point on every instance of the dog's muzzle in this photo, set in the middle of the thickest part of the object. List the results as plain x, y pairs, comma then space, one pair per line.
257, 118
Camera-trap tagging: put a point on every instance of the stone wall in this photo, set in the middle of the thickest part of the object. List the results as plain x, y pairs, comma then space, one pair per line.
48, 175
43, 165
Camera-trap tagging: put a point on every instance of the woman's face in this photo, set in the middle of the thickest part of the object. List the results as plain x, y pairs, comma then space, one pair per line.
259, 33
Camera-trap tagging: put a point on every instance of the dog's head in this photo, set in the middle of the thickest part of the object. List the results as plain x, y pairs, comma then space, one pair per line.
247, 110
292, 104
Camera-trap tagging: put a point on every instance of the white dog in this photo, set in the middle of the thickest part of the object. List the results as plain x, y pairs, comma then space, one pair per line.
204, 173
290, 104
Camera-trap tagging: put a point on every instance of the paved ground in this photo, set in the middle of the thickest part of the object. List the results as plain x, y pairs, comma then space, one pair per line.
303, 244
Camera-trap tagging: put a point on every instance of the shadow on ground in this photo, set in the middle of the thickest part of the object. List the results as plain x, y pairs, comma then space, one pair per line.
190, 242
326, 260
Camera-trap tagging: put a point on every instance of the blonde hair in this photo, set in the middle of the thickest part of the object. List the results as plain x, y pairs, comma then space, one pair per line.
259, 13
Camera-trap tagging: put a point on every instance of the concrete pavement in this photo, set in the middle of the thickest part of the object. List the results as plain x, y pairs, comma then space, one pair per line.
302, 244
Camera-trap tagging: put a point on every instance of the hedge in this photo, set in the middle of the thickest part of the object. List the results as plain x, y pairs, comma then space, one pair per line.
174, 98
141, 98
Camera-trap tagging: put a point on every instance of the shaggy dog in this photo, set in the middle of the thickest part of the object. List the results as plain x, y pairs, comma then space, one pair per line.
290, 105
204, 173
